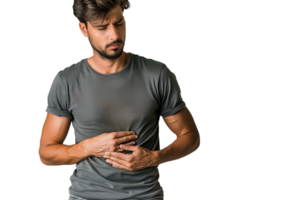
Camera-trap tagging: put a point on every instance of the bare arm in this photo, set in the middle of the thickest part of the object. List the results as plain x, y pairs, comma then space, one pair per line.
188, 137
179, 148
60, 154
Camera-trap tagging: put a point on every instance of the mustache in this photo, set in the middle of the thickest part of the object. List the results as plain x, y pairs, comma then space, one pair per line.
115, 44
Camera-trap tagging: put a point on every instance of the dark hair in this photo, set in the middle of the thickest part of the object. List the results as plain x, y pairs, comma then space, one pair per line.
91, 10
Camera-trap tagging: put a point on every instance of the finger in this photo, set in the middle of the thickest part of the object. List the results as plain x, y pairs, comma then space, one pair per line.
118, 162
119, 157
129, 147
126, 139
124, 133
130, 143
119, 166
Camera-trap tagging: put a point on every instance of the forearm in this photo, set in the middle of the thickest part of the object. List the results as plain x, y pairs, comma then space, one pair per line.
182, 146
60, 154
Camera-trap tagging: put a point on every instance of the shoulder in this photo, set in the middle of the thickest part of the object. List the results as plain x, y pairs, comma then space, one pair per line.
71, 72
149, 65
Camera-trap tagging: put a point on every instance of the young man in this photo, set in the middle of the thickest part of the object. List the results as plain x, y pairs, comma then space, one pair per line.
113, 91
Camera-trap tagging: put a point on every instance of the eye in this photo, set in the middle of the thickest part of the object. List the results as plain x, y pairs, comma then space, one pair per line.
116, 24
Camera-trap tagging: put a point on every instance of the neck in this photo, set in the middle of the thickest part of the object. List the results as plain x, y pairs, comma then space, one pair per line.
106, 66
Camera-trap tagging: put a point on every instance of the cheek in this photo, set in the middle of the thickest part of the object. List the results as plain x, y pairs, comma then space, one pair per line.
97, 38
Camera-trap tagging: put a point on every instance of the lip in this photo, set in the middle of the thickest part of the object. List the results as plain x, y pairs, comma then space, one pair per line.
114, 46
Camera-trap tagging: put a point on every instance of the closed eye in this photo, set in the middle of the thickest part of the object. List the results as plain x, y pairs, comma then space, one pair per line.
116, 24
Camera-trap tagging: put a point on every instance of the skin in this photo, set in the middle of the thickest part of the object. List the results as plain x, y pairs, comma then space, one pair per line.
106, 60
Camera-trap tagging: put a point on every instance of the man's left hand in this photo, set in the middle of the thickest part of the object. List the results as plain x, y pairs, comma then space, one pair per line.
139, 159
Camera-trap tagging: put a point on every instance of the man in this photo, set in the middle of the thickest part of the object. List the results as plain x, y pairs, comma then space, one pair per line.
114, 98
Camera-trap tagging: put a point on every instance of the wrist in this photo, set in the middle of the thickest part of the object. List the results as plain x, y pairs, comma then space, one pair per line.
83, 146
157, 158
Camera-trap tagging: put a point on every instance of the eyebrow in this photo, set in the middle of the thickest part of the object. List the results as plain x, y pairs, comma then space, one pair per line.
107, 24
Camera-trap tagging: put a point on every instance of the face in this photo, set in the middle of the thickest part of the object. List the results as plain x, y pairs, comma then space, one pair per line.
102, 35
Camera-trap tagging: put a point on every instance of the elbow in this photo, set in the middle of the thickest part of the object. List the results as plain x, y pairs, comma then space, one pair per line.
198, 144
44, 161
195, 137
197, 147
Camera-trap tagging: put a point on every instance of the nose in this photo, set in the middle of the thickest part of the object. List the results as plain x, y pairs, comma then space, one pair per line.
114, 34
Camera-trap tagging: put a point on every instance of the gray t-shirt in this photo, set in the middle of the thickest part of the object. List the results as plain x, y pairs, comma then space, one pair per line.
132, 99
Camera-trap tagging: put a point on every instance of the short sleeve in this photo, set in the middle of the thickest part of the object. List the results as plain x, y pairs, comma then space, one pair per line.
170, 94
57, 98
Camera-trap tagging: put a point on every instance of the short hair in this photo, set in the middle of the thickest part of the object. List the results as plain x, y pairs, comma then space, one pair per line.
91, 10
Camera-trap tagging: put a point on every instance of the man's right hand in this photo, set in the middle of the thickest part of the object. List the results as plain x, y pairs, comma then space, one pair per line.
98, 145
